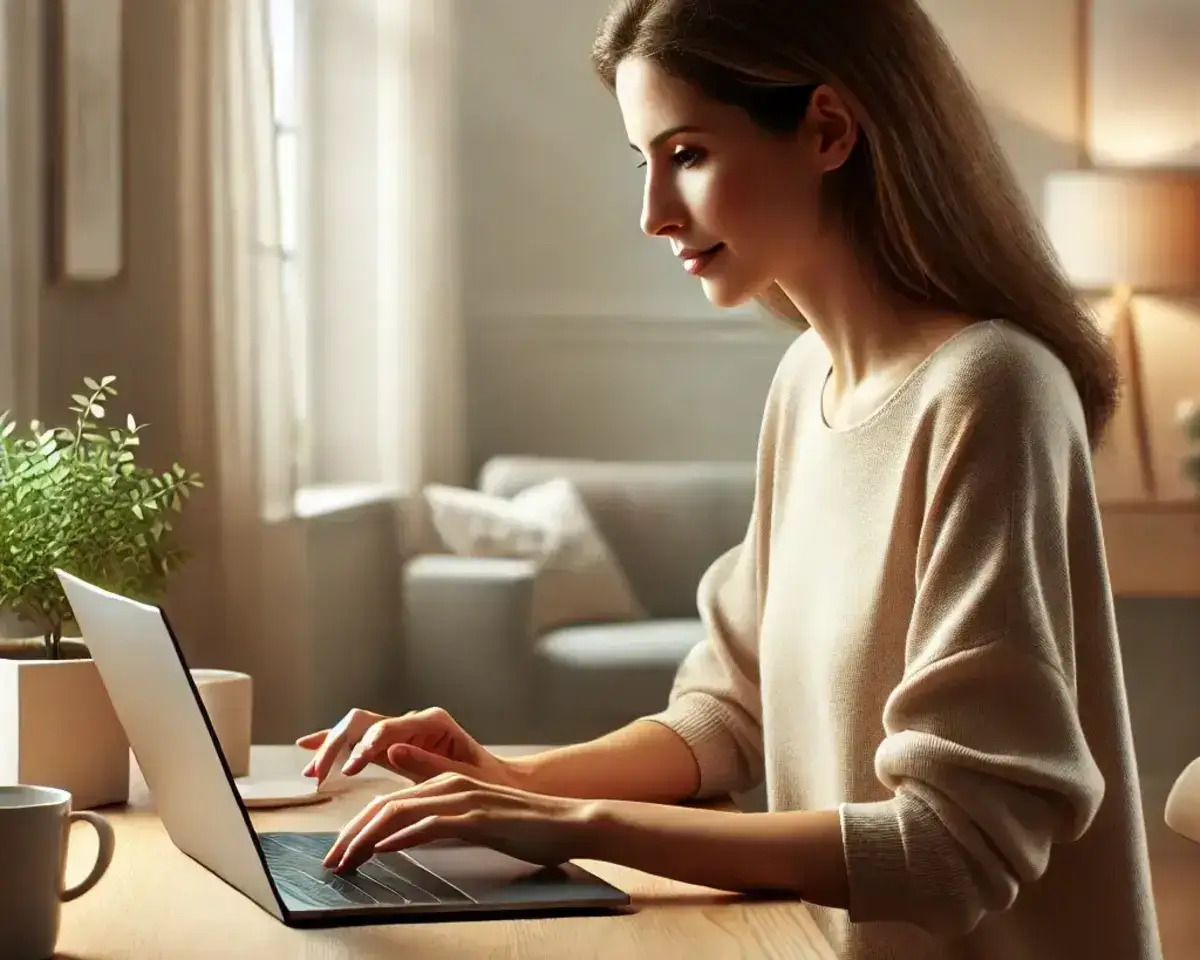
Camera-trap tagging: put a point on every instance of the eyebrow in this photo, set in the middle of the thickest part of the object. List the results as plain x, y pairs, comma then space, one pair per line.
668, 134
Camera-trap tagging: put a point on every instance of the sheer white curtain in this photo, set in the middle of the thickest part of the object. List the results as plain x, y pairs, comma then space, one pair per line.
239, 416
426, 440
423, 432
388, 385
384, 331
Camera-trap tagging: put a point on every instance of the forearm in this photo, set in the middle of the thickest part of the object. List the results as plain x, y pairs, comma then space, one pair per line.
644, 761
797, 854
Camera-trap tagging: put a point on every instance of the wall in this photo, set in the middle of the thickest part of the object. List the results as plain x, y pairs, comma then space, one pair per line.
128, 327
574, 337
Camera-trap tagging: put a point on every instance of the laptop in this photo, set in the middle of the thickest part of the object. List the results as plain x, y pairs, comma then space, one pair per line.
144, 671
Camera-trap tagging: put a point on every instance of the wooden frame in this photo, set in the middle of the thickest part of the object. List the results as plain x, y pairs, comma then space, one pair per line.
22, 234
86, 133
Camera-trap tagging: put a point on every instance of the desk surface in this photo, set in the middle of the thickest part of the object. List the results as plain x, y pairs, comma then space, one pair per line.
155, 902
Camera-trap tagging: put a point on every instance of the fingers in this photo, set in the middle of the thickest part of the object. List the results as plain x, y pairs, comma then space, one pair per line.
374, 742
393, 811
310, 741
422, 727
370, 735
421, 765
327, 750
345, 733
464, 826
389, 815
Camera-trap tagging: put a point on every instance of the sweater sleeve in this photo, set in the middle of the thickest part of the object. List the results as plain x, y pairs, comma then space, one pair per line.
715, 703
983, 748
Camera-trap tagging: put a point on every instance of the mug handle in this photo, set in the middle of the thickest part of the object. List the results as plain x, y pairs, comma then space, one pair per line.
104, 832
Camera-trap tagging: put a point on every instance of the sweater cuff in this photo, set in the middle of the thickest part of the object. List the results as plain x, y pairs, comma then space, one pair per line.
701, 723
896, 868
876, 864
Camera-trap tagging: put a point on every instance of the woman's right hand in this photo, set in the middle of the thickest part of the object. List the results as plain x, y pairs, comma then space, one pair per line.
418, 745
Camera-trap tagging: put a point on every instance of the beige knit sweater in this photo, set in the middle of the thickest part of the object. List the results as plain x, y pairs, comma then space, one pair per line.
918, 632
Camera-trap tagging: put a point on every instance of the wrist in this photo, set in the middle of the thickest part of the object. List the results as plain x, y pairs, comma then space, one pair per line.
597, 829
523, 772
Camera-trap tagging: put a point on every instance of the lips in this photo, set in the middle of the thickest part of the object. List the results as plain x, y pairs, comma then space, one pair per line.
695, 260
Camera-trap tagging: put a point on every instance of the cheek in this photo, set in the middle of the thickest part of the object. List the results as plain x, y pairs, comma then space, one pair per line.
756, 213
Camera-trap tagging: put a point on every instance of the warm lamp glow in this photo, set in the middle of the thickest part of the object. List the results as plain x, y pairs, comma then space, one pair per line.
1127, 228
1128, 231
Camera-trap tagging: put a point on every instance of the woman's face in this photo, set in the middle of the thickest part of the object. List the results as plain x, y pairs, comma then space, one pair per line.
738, 205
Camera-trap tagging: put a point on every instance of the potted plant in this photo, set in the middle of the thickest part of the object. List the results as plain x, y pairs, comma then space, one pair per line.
1188, 416
75, 498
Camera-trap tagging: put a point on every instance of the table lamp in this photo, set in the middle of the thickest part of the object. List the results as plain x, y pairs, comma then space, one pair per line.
1125, 232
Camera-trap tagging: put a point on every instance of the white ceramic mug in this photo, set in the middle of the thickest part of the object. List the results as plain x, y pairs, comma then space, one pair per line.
35, 824
228, 697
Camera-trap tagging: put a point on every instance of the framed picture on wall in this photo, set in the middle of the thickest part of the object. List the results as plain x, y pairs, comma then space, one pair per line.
87, 139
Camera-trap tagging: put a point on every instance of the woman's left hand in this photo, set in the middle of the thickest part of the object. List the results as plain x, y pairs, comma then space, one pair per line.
528, 826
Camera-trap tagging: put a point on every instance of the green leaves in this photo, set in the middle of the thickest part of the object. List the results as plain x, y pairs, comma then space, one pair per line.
1187, 415
76, 498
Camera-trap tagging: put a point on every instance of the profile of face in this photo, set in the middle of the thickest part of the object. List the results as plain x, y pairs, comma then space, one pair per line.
739, 205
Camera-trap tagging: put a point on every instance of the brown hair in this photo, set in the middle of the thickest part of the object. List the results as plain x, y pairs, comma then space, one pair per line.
926, 196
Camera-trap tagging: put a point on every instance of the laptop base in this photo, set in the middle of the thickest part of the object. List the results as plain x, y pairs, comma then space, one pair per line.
439, 881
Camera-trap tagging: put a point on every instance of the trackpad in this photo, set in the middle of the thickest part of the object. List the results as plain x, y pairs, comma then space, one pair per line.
479, 872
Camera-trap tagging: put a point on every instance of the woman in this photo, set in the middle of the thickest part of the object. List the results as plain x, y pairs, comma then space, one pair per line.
915, 644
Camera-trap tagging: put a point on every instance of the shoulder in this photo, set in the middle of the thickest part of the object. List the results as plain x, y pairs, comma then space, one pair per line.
999, 379
804, 359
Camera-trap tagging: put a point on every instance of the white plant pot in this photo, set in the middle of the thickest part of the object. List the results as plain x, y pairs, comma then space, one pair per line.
58, 729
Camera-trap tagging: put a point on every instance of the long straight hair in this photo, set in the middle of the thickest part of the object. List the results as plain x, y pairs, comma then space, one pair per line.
927, 198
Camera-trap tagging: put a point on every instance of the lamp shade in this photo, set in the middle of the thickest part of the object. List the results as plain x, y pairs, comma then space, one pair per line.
1134, 228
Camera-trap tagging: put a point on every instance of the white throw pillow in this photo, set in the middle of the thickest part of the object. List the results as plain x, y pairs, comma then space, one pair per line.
579, 579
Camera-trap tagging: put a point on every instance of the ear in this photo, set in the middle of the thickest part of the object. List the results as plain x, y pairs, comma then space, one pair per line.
833, 125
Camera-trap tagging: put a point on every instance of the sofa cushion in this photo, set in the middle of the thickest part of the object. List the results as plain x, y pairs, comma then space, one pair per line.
578, 578
594, 679
621, 646
665, 522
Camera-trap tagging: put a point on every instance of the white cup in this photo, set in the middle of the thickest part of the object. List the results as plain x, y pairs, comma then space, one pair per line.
35, 823
228, 698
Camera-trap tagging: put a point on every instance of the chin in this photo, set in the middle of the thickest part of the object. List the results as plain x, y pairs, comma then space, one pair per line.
728, 295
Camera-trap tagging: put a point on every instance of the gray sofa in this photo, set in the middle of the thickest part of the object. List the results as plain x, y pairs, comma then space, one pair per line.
468, 642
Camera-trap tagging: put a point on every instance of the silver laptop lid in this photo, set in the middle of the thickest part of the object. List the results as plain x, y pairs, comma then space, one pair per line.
156, 701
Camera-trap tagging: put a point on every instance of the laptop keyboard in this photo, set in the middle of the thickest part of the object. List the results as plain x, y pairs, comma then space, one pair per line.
386, 880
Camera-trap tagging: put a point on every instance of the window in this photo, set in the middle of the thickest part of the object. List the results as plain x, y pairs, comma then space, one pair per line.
285, 30
365, 246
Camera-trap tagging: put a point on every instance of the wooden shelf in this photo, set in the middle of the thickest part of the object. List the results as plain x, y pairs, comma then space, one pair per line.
1153, 549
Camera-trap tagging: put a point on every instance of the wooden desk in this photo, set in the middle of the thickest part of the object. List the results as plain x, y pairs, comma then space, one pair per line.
155, 902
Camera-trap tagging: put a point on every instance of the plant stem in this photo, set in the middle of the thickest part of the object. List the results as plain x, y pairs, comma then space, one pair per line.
53, 641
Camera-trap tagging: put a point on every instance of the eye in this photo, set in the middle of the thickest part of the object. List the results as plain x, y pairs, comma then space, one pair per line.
685, 157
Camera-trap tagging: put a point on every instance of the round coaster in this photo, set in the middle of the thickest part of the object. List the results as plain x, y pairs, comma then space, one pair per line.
258, 794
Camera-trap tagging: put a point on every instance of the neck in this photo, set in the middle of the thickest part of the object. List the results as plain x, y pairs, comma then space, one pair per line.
862, 324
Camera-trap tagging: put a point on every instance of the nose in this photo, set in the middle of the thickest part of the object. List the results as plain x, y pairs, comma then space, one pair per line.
663, 211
